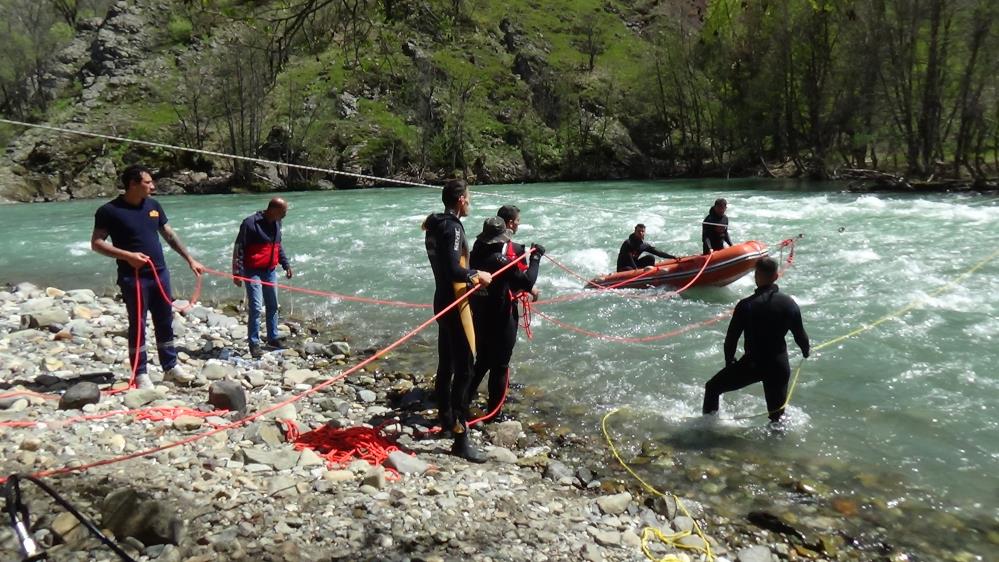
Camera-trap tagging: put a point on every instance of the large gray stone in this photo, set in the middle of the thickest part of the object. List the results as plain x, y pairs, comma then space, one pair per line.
217, 371
505, 434
557, 471
754, 554
227, 395
140, 397
405, 463
615, 504
44, 318
128, 514
278, 460
79, 395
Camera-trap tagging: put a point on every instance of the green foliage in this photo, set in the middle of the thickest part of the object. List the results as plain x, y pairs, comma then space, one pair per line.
180, 28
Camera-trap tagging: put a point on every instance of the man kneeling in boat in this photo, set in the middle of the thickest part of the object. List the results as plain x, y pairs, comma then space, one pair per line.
628, 257
766, 316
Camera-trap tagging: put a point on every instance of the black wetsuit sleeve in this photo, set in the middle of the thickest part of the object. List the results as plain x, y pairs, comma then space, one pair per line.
798, 330
451, 239
727, 238
525, 280
652, 250
735, 328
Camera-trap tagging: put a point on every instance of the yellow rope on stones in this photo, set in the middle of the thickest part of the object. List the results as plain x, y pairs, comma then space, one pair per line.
648, 533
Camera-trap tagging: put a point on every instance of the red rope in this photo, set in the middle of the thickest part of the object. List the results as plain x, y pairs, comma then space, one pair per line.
338, 446
328, 294
160, 413
295, 398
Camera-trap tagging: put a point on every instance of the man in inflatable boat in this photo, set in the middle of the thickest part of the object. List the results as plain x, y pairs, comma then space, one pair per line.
628, 258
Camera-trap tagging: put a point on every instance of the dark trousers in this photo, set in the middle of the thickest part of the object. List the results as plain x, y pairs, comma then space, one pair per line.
162, 312
774, 373
646, 261
495, 338
454, 371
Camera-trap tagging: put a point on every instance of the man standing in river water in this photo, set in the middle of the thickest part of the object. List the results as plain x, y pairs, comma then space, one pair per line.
135, 221
447, 250
766, 316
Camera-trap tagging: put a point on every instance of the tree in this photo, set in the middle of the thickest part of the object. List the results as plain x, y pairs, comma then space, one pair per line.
590, 39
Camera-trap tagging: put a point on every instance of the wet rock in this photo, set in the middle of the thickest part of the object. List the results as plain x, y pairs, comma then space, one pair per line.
557, 471
79, 395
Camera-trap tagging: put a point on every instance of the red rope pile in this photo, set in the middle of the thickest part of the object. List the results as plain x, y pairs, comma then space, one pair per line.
341, 445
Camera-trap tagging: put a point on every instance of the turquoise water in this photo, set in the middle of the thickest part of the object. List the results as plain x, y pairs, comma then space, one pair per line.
915, 398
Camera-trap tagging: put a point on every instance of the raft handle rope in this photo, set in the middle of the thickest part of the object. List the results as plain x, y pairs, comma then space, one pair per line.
21, 523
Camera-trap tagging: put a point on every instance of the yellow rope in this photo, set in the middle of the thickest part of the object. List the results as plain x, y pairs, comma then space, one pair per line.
895, 314
672, 540
648, 533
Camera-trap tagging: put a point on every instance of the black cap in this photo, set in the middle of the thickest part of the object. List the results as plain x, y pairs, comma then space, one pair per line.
493, 230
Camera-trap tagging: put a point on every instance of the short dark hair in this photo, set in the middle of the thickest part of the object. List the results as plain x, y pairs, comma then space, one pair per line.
133, 174
452, 191
767, 266
720, 201
639, 226
508, 212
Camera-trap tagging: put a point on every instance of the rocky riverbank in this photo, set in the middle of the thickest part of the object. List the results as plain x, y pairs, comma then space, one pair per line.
550, 490
245, 493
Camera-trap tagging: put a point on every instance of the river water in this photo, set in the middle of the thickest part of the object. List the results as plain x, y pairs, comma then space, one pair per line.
912, 402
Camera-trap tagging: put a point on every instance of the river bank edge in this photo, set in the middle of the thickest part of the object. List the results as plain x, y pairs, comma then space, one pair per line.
546, 493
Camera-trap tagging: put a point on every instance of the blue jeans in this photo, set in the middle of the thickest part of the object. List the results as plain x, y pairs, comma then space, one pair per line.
254, 291
162, 313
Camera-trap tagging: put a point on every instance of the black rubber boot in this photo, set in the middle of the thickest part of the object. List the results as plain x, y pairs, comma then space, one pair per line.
463, 449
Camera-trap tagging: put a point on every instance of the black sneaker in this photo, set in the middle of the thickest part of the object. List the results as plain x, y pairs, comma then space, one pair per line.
275, 345
256, 352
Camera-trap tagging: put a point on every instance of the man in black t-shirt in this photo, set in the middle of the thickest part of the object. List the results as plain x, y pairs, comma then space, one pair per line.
135, 221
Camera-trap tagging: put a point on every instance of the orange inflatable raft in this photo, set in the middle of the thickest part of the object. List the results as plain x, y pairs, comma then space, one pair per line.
724, 267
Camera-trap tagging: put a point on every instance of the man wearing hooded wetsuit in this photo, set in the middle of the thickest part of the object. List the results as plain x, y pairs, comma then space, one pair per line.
766, 316
446, 246
495, 312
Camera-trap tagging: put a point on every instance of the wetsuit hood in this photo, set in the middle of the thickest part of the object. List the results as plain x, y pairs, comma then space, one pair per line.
437, 220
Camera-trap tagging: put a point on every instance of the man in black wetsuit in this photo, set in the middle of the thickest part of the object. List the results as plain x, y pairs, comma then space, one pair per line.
448, 254
714, 229
496, 313
628, 256
766, 316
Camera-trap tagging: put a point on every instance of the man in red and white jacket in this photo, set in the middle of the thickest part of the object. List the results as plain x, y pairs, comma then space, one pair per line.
255, 257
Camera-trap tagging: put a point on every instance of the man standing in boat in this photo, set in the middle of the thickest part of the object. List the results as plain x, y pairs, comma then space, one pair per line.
766, 316
714, 229
448, 254
255, 257
628, 256
496, 313
135, 221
